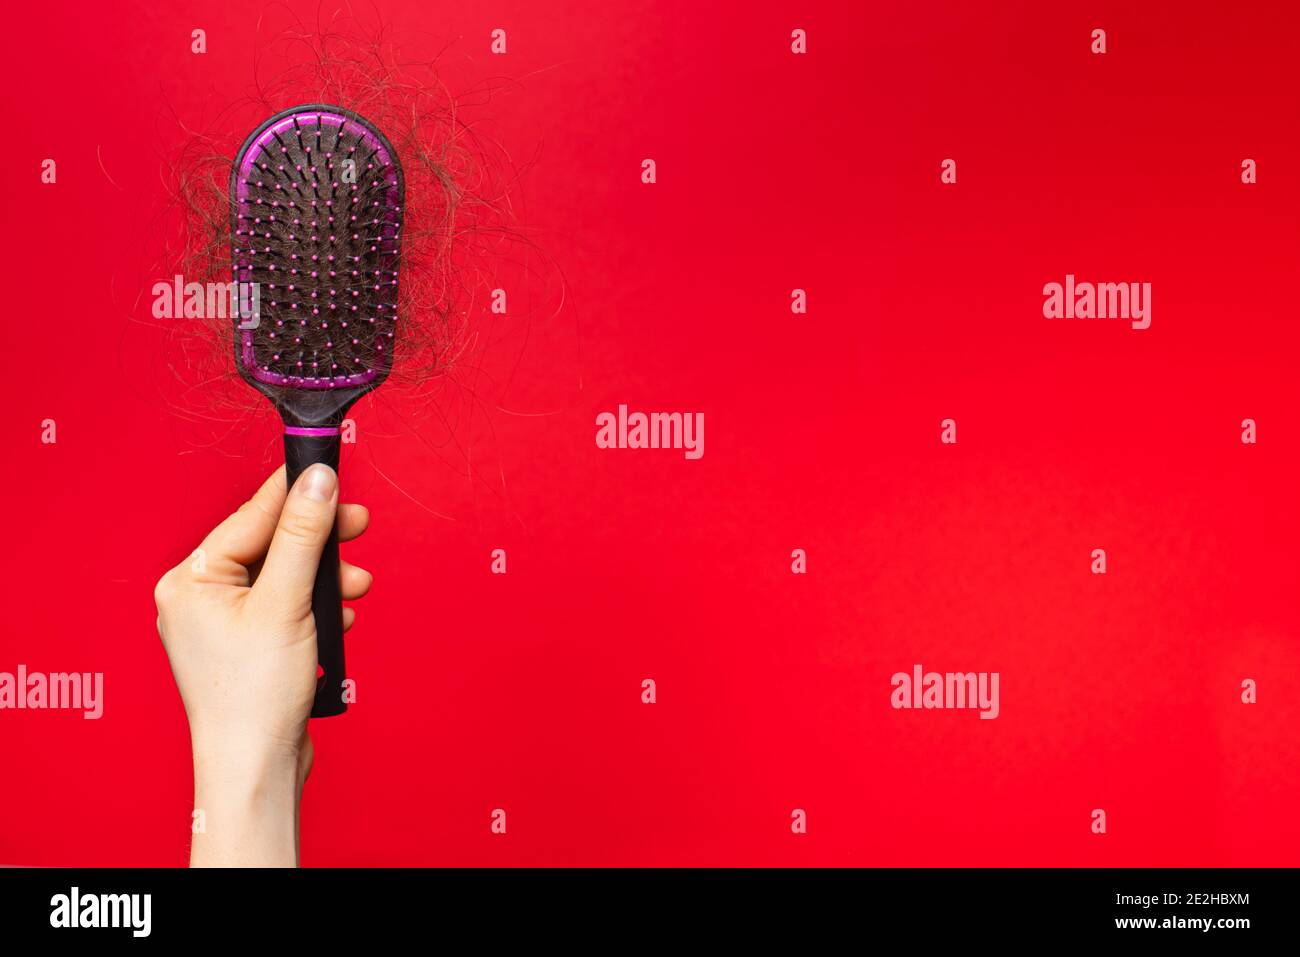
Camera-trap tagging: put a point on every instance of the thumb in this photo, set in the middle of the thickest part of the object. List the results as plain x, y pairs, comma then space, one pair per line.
290, 568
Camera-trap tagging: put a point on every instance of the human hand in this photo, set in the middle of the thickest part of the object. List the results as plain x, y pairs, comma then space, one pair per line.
236, 622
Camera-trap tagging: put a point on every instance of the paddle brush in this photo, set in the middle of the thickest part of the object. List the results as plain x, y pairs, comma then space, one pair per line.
316, 207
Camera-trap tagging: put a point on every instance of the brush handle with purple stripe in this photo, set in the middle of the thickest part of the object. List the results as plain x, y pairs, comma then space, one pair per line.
304, 447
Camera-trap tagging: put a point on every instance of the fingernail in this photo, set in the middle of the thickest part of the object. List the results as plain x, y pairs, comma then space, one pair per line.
318, 483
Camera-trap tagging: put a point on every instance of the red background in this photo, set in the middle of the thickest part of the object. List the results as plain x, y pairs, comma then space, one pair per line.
478, 691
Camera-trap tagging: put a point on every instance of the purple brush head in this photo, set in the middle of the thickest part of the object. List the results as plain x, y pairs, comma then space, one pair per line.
316, 207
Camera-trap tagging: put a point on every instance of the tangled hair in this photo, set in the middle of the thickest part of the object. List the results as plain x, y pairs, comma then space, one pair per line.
459, 228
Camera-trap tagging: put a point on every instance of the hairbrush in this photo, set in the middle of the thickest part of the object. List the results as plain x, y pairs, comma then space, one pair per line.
315, 215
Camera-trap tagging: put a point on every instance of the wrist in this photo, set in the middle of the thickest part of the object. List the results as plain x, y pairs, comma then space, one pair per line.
250, 775
250, 809
241, 755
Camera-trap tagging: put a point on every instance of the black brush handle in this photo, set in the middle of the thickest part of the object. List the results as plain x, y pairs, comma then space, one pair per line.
301, 452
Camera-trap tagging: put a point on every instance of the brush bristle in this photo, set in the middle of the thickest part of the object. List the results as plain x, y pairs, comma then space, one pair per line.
317, 224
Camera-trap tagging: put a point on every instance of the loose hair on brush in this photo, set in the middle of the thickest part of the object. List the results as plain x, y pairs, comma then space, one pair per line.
457, 220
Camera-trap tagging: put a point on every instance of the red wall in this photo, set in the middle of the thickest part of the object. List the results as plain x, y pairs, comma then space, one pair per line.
479, 691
